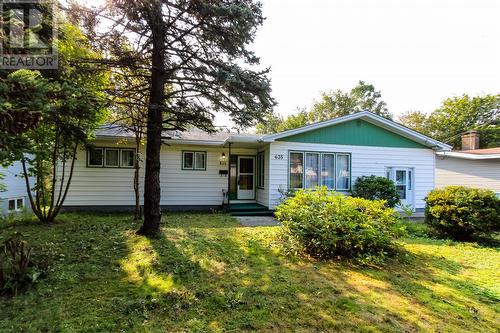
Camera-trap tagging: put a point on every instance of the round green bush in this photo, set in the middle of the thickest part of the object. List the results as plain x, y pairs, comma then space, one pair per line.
376, 188
462, 213
326, 224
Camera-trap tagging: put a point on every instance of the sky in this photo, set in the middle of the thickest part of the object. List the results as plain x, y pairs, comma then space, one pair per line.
417, 53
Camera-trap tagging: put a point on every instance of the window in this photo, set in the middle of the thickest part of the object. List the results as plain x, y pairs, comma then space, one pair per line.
311, 169
194, 160
328, 171
343, 172
16, 204
260, 169
296, 170
127, 158
111, 157
95, 157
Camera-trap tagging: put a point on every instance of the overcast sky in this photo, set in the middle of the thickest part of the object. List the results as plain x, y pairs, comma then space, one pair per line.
417, 52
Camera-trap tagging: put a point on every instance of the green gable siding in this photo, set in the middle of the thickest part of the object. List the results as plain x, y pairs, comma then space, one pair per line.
357, 133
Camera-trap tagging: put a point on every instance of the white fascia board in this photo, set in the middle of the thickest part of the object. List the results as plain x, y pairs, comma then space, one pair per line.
193, 142
469, 156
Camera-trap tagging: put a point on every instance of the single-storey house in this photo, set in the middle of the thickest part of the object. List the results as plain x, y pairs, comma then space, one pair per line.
471, 166
202, 171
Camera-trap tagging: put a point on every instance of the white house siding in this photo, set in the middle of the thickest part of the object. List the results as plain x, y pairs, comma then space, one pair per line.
263, 193
16, 186
97, 186
365, 161
472, 173
190, 187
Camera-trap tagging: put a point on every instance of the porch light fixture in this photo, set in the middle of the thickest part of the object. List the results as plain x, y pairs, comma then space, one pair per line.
223, 156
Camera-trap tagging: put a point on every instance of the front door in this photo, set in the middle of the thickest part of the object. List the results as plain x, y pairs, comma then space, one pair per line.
246, 185
403, 177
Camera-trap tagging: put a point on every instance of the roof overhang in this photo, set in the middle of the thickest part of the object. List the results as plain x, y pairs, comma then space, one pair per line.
370, 117
469, 156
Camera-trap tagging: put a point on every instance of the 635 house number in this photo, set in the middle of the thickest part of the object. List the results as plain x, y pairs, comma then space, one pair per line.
278, 157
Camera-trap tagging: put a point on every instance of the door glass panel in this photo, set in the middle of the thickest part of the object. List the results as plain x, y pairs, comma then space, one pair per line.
296, 169
400, 177
401, 183
246, 182
312, 170
233, 179
410, 180
328, 171
246, 165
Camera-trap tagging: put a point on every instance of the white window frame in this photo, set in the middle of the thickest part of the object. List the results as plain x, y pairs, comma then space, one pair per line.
133, 158
195, 153
320, 176
348, 188
88, 157
16, 207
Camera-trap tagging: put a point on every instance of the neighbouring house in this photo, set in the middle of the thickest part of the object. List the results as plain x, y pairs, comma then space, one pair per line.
15, 198
470, 166
203, 171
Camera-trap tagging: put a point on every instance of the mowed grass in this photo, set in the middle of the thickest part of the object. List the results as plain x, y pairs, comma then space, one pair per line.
207, 274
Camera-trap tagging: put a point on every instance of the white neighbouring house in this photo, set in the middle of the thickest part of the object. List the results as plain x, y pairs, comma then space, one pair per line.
15, 197
471, 166
198, 169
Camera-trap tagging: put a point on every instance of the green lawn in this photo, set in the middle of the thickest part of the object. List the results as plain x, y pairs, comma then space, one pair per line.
207, 274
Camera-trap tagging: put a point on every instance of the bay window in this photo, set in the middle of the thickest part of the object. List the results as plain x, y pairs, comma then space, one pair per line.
311, 169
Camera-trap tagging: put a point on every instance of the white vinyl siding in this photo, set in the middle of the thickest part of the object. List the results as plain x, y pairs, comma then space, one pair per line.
472, 173
262, 194
364, 161
16, 187
113, 186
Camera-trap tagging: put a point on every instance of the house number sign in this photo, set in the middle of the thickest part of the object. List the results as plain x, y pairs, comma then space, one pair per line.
278, 156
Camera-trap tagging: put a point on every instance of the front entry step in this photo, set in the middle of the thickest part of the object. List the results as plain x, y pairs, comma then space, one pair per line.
249, 209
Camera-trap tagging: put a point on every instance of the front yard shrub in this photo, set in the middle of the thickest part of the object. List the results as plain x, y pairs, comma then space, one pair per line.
16, 270
376, 188
462, 213
325, 224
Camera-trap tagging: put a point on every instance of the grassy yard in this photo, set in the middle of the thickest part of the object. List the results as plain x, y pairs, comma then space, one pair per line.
207, 274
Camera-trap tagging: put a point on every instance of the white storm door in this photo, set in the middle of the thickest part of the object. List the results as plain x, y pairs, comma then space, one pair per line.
246, 178
403, 177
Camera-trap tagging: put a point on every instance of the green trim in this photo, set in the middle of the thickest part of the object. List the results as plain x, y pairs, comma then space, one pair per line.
355, 132
194, 160
303, 152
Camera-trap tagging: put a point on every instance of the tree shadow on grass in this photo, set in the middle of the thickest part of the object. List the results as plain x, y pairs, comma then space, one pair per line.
218, 279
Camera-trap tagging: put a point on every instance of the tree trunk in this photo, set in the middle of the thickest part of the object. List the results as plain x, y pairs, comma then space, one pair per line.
152, 192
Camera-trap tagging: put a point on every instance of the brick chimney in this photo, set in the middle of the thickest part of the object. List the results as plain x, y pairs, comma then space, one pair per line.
470, 140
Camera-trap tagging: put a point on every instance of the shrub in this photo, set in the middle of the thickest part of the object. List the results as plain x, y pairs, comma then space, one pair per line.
462, 213
15, 272
376, 188
326, 224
